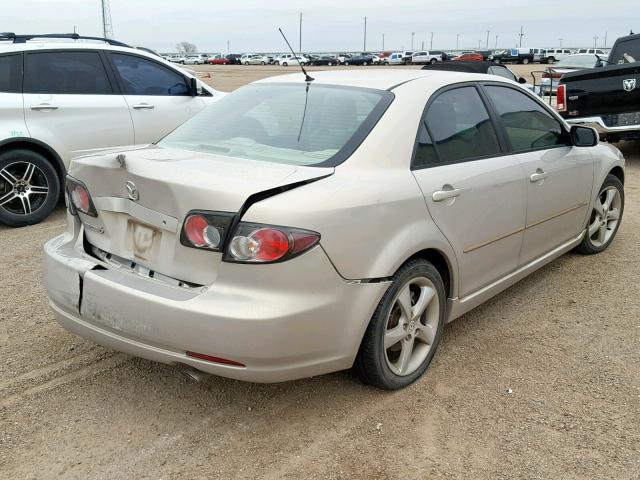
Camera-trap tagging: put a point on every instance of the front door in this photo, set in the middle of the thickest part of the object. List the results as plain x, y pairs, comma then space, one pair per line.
475, 194
159, 97
559, 175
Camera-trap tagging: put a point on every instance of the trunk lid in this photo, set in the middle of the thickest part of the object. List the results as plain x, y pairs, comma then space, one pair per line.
168, 184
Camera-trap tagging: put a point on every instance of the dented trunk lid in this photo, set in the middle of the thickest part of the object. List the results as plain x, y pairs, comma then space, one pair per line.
167, 184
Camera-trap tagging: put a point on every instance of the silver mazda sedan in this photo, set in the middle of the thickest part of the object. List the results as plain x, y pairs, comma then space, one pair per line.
297, 228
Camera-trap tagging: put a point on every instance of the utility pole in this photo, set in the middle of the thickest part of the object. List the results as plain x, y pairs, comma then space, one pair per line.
383, 42
605, 38
107, 26
560, 42
74, 29
422, 48
431, 42
521, 34
364, 48
479, 44
496, 46
227, 46
457, 41
595, 41
300, 39
488, 32
412, 35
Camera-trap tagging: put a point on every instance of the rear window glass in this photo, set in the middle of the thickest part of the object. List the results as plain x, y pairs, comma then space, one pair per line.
10, 72
629, 47
65, 72
284, 123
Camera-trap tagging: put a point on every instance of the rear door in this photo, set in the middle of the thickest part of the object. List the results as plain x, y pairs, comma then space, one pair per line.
559, 175
158, 96
71, 103
12, 122
474, 192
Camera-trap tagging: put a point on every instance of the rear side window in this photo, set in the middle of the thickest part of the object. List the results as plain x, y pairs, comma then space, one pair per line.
460, 128
10, 73
143, 77
528, 125
501, 72
65, 72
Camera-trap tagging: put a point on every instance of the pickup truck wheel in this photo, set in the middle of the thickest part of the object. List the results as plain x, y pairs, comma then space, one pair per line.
405, 329
525, 61
605, 217
433, 60
551, 60
284, 64
29, 188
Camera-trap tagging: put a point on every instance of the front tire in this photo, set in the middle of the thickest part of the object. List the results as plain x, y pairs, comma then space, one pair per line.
433, 61
284, 64
29, 188
605, 217
525, 61
405, 329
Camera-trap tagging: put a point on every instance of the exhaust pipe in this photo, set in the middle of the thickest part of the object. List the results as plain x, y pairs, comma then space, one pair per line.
191, 373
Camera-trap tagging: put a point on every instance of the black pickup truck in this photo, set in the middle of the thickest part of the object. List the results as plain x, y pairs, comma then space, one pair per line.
606, 98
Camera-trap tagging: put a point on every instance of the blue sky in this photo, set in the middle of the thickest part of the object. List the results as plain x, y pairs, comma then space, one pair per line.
331, 25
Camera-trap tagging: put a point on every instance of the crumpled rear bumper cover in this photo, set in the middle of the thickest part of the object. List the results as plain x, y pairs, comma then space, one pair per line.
283, 321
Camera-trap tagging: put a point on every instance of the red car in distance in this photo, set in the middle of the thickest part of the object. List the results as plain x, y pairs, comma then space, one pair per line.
471, 57
218, 60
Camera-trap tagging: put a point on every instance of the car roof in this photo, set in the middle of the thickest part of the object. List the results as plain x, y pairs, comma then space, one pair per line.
35, 45
376, 78
462, 66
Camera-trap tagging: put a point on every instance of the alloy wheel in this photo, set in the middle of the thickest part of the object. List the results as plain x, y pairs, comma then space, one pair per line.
605, 216
23, 188
411, 326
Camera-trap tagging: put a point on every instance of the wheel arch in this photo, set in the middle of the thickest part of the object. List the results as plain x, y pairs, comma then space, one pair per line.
441, 263
38, 147
617, 172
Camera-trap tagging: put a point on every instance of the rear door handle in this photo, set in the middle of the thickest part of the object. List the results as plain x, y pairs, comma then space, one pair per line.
445, 194
539, 175
144, 106
43, 106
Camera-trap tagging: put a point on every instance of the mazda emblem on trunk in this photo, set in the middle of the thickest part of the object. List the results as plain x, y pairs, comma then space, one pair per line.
132, 191
629, 84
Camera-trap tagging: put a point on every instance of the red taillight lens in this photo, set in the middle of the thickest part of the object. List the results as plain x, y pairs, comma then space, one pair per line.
254, 243
206, 230
561, 94
80, 198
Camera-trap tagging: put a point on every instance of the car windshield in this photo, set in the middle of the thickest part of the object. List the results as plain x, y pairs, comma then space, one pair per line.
296, 124
578, 61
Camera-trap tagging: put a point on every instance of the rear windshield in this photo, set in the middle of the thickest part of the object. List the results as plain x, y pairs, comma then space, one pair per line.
578, 61
629, 47
284, 123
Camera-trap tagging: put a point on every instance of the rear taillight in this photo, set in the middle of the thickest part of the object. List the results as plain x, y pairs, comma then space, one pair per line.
256, 243
206, 230
561, 95
551, 74
79, 198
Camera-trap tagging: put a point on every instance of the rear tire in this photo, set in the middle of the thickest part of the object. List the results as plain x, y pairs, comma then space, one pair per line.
525, 61
605, 217
433, 60
29, 188
405, 329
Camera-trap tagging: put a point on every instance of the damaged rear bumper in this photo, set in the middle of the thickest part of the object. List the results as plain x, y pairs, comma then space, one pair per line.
282, 321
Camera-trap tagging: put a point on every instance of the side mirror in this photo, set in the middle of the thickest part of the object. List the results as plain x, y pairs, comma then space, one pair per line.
195, 90
583, 136
522, 80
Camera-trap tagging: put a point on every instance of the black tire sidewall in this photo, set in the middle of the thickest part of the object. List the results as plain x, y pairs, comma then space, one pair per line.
371, 363
53, 180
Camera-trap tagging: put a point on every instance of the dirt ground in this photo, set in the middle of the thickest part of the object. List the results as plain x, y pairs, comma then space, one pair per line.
542, 382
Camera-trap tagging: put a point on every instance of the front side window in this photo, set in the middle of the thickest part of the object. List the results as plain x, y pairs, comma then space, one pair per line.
284, 123
65, 72
527, 124
144, 77
460, 128
10, 73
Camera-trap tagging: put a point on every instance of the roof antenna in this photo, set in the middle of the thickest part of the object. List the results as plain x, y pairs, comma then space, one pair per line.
307, 78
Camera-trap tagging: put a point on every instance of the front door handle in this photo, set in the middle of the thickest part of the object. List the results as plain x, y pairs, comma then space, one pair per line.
144, 106
539, 175
445, 193
43, 106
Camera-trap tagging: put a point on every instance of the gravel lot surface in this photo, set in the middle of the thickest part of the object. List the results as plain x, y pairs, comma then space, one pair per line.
541, 382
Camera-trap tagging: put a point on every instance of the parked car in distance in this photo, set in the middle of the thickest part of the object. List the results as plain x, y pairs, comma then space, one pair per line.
197, 59
406, 56
484, 66
61, 95
553, 55
361, 60
249, 242
469, 57
606, 98
423, 57
395, 58
593, 51
552, 75
177, 59
287, 59
254, 59
343, 57
218, 60
321, 60
517, 55
234, 58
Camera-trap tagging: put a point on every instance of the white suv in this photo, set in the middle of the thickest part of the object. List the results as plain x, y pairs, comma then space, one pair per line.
287, 59
59, 97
